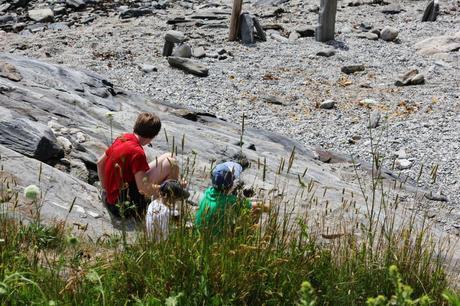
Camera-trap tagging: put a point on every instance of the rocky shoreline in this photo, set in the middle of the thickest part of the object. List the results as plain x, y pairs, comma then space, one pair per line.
281, 84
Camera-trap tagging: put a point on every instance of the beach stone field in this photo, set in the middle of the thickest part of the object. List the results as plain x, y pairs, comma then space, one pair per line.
388, 83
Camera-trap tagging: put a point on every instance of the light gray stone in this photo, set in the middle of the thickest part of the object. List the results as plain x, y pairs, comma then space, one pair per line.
294, 36
147, 68
389, 33
198, 52
65, 144
436, 197
41, 15
78, 169
183, 50
369, 35
403, 164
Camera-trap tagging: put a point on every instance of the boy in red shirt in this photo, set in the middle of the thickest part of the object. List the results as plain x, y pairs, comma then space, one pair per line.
125, 174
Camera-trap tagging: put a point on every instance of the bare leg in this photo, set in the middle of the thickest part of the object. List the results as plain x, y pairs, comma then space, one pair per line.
163, 168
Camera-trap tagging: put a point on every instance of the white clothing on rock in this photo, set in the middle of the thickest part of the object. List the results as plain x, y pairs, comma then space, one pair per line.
157, 220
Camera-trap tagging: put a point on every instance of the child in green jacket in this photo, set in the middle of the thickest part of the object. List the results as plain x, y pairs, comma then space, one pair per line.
217, 203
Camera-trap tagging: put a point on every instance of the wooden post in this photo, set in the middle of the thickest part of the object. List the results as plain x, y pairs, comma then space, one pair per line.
235, 20
326, 27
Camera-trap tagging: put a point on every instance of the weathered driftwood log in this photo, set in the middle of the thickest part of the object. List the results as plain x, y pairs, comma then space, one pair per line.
188, 65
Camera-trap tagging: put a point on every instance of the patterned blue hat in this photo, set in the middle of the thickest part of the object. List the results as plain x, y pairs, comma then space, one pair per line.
222, 177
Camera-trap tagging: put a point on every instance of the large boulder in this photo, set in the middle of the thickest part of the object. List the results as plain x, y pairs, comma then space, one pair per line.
27, 137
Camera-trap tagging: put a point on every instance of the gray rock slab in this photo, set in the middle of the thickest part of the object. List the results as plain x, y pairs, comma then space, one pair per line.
189, 66
59, 191
260, 32
439, 44
431, 11
32, 139
58, 26
391, 9
134, 13
175, 36
270, 2
246, 29
76, 4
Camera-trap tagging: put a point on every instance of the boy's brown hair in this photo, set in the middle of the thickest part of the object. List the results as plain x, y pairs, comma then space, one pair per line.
147, 125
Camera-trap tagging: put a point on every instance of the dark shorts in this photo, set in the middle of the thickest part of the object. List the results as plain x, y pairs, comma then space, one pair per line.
130, 202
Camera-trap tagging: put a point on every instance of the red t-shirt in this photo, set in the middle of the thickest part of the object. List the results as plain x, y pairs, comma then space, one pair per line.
125, 157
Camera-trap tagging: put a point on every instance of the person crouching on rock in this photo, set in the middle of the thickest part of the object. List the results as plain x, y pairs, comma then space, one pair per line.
218, 205
126, 177
163, 209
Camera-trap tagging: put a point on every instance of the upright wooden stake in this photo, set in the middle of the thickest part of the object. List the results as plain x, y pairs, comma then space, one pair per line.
235, 20
326, 26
